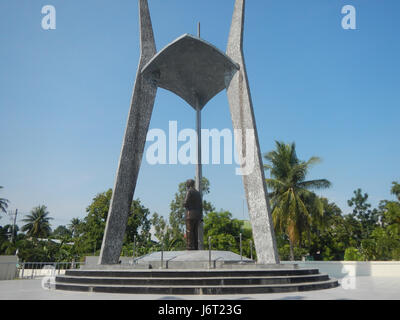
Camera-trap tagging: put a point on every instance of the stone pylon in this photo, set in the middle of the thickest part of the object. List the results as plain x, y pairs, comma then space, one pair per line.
196, 71
139, 117
243, 120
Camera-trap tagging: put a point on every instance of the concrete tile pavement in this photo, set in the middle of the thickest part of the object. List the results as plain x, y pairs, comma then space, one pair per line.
365, 288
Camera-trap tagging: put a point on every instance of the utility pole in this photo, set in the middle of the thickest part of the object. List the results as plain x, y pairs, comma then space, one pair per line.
198, 29
13, 226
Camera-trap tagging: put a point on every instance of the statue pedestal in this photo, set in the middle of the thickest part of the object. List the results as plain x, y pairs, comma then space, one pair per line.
189, 273
185, 260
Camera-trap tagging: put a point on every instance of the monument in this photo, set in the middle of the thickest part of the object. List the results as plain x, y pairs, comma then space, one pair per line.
196, 71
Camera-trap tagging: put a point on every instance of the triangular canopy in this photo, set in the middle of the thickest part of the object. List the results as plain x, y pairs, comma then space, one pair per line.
191, 68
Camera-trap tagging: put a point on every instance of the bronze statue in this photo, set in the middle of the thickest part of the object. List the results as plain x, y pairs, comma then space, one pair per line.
194, 215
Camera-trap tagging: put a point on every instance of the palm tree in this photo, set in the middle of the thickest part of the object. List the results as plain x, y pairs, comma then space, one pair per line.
38, 223
294, 205
396, 190
74, 226
3, 203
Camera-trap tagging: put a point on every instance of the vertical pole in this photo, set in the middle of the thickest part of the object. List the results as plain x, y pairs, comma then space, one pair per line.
241, 251
251, 249
13, 227
198, 29
199, 171
209, 252
134, 248
162, 256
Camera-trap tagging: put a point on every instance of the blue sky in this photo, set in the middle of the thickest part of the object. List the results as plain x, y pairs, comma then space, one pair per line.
65, 95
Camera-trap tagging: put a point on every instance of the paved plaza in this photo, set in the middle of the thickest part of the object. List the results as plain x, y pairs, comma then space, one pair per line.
366, 288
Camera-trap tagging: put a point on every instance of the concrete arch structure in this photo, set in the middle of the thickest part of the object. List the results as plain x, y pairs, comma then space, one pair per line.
191, 68
196, 71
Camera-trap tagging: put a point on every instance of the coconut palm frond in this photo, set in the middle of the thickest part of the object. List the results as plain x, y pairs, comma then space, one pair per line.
315, 184
295, 206
37, 223
3, 204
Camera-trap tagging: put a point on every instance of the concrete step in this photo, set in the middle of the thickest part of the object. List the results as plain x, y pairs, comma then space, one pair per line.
230, 273
193, 281
199, 290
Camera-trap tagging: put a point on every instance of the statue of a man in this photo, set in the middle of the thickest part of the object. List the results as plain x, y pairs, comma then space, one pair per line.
194, 215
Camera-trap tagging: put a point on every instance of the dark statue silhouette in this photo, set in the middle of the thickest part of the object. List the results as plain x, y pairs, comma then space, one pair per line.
194, 215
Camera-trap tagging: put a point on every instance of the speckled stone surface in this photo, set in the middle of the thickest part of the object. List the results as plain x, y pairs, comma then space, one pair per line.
244, 121
142, 104
191, 68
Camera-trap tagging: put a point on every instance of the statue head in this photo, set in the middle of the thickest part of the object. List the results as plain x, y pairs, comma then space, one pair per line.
190, 184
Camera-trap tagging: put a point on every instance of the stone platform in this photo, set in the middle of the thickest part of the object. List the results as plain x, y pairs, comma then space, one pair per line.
178, 260
192, 273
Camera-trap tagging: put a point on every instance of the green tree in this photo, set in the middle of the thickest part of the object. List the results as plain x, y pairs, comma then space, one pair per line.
352, 254
225, 233
160, 226
6, 247
94, 224
167, 239
385, 239
90, 231
362, 212
75, 227
396, 190
290, 191
3, 234
391, 215
138, 228
61, 232
37, 251
329, 240
3, 204
37, 223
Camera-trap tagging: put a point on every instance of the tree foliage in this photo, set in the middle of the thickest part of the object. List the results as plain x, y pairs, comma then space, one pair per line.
37, 223
82, 237
90, 231
294, 205
168, 239
396, 190
362, 212
3, 204
224, 232
364, 234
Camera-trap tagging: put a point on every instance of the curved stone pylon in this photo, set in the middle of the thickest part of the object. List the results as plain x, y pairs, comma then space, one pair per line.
196, 71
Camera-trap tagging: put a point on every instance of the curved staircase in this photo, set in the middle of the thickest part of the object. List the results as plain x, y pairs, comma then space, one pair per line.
195, 282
